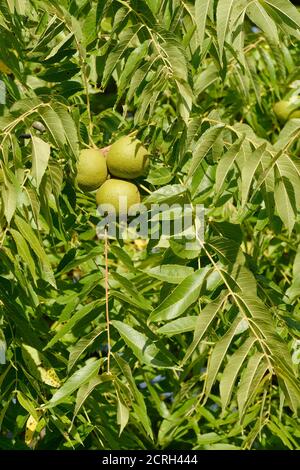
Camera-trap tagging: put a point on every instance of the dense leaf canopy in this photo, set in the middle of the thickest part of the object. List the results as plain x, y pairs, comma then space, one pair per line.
193, 349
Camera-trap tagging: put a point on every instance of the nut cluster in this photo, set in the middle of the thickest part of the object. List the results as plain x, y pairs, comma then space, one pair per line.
109, 172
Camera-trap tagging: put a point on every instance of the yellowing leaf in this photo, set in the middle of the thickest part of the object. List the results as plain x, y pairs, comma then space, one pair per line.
31, 425
49, 377
39, 366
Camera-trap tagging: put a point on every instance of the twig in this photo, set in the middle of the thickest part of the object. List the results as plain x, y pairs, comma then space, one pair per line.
107, 298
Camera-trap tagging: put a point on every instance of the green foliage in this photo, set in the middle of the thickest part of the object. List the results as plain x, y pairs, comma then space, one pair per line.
203, 346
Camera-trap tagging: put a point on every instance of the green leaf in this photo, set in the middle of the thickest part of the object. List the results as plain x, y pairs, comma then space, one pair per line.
28, 233
54, 125
15, 313
203, 146
40, 158
201, 11
185, 100
56, 176
291, 391
263, 327
226, 163
180, 299
171, 273
90, 26
131, 300
22, 107
71, 259
176, 58
34, 202
122, 414
228, 251
219, 353
54, 27
148, 97
204, 321
288, 134
205, 78
139, 407
251, 379
122, 256
172, 422
82, 345
224, 10
87, 388
285, 203
132, 63
137, 79
24, 252
69, 127
287, 12
143, 347
232, 369
81, 313
116, 54
165, 194
9, 195
185, 248
80, 377
27, 405
273, 346
294, 290
180, 325
260, 17
249, 168
288, 169
159, 176
59, 47
131, 291
281, 431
